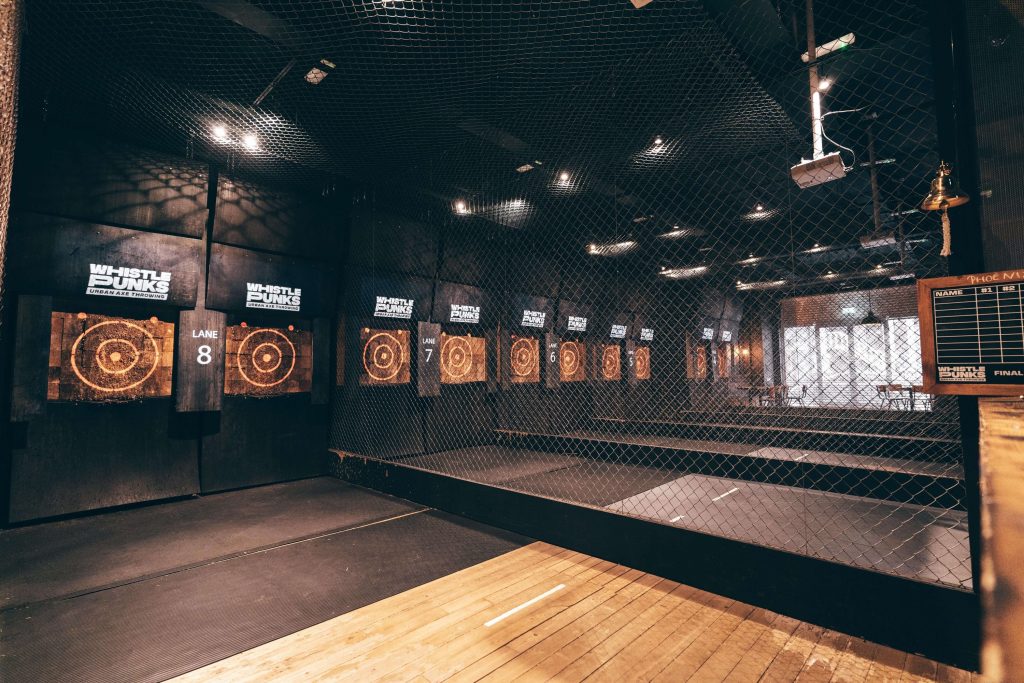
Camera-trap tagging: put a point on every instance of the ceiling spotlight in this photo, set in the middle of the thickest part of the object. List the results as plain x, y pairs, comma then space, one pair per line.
461, 208
611, 248
524, 168
682, 273
759, 207
563, 176
824, 84
251, 143
220, 132
658, 140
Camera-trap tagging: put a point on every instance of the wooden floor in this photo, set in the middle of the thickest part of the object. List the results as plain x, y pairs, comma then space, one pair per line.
545, 613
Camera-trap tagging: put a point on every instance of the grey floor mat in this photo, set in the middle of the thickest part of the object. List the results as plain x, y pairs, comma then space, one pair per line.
491, 464
55, 559
155, 629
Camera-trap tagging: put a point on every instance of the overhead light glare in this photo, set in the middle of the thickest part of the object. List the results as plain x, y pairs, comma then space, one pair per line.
461, 208
683, 273
220, 132
525, 168
676, 233
563, 176
251, 142
611, 248
658, 140
824, 84
746, 286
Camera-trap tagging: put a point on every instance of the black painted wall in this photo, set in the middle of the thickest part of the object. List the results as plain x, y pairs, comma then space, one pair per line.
79, 457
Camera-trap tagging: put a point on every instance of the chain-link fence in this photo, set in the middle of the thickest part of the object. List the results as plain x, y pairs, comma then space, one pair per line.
673, 322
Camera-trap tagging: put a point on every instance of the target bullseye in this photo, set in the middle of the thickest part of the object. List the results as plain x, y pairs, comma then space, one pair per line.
456, 357
524, 357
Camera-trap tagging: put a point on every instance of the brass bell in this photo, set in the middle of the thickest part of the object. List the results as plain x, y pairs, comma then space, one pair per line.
945, 192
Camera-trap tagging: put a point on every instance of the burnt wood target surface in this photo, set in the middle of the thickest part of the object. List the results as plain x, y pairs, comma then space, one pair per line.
463, 359
524, 360
642, 358
571, 360
101, 358
611, 362
267, 361
385, 357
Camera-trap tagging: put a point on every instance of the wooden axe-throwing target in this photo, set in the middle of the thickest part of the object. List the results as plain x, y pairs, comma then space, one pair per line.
642, 358
100, 358
611, 362
524, 360
463, 359
267, 361
571, 365
385, 357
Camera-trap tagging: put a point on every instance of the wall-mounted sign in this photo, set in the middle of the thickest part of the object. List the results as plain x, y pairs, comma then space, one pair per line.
243, 280
534, 318
708, 334
459, 304
272, 297
130, 283
462, 313
646, 334
618, 332
62, 257
972, 333
531, 312
393, 307
391, 298
573, 319
726, 335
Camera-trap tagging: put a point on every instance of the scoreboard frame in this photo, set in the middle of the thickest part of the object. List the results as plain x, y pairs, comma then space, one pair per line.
925, 311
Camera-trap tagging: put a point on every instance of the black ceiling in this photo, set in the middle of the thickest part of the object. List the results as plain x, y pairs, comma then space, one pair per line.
449, 98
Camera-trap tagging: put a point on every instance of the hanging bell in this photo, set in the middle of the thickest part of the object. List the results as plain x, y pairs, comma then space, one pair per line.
944, 194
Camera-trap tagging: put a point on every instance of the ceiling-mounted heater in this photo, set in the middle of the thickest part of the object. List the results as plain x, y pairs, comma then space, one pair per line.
821, 167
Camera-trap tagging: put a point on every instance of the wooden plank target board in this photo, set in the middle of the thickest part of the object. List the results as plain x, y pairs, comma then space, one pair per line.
972, 334
267, 361
572, 357
524, 360
609, 362
99, 358
386, 358
463, 359
642, 357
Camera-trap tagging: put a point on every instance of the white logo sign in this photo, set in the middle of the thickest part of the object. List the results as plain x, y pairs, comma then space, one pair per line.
962, 373
534, 318
273, 297
726, 335
577, 323
646, 334
393, 307
464, 314
618, 332
709, 333
133, 283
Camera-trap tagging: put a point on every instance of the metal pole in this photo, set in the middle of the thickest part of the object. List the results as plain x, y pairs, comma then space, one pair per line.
10, 34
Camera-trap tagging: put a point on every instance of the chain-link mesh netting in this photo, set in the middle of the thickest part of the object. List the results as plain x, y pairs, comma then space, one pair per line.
737, 340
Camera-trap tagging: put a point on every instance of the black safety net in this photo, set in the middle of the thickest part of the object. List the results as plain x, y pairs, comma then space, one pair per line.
647, 283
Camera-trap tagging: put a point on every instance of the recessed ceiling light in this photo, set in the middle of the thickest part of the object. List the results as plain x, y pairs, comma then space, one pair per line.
563, 176
611, 248
824, 84
250, 142
658, 140
759, 207
220, 132
461, 208
524, 168
683, 273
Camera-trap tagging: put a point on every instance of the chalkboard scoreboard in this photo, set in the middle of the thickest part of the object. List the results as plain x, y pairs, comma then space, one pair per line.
972, 333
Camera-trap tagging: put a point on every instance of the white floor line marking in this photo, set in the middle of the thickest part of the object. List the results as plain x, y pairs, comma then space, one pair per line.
523, 606
677, 518
730, 491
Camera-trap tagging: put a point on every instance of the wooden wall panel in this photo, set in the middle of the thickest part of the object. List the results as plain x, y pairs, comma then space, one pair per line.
199, 371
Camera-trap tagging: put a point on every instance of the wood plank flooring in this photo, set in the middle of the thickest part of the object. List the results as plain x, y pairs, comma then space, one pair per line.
559, 615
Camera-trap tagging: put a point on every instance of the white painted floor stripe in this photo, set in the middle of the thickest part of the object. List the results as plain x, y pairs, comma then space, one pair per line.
523, 606
730, 491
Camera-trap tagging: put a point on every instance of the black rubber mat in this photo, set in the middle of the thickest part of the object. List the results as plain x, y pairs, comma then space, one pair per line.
65, 558
594, 482
492, 464
155, 629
